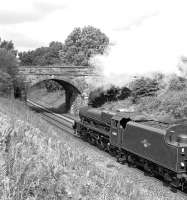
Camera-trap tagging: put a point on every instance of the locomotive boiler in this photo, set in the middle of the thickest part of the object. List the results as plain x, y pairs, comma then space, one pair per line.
157, 147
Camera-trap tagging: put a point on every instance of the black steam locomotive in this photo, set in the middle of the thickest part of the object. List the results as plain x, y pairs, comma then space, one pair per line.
157, 147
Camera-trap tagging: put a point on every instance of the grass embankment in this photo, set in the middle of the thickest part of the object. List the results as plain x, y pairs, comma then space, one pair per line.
54, 99
168, 106
38, 164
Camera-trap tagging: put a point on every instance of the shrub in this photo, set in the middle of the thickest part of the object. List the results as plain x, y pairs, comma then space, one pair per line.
170, 105
148, 104
100, 96
142, 87
174, 103
177, 83
124, 93
97, 97
5, 84
52, 85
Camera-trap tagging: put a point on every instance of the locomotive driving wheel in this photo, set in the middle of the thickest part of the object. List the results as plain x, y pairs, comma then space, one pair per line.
122, 159
148, 168
100, 144
131, 161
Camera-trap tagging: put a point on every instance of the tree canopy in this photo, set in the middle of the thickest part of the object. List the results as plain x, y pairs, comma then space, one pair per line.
83, 43
99, 96
144, 86
8, 45
8, 66
79, 46
8, 62
42, 56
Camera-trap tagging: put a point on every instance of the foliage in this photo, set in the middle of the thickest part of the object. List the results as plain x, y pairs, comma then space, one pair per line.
144, 87
124, 93
37, 164
42, 56
112, 93
5, 84
79, 46
83, 43
97, 97
8, 62
9, 80
8, 45
177, 83
168, 106
182, 67
51, 85
8, 70
100, 95
174, 103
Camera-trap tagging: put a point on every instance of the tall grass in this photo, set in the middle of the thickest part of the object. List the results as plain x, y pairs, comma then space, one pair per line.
35, 164
167, 106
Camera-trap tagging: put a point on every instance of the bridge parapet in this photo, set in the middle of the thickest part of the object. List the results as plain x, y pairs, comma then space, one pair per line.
75, 75
57, 70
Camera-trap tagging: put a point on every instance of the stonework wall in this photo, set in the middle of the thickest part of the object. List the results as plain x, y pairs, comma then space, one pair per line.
79, 102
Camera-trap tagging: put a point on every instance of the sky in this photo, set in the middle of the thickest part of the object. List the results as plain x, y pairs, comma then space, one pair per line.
146, 36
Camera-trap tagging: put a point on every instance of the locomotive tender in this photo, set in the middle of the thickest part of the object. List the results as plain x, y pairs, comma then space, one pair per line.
159, 148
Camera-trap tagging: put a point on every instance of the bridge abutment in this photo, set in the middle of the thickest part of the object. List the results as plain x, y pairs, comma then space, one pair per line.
79, 101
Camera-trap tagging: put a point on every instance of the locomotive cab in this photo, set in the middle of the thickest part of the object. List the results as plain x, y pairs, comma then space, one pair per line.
118, 125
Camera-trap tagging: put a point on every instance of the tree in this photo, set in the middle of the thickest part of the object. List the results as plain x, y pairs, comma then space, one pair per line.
55, 45
8, 45
6, 83
112, 93
8, 70
8, 62
124, 93
142, 87
177, 83
99, 96
26, 58
81, 44
42, 56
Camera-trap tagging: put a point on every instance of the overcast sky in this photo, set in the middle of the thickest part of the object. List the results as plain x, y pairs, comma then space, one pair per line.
148, 35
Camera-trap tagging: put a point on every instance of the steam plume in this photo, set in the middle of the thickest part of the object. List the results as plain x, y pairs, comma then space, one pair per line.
151, 43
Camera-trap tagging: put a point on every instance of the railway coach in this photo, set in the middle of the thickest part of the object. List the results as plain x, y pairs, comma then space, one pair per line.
159, 148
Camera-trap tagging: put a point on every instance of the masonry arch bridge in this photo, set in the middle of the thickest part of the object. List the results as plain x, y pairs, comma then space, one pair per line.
72, 78
74, 94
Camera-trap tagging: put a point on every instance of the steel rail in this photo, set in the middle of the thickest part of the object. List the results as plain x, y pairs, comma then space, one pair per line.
68, 119
47, 108
59, 121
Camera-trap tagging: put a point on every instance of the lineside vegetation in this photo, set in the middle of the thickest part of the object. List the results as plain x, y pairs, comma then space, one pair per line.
36, 163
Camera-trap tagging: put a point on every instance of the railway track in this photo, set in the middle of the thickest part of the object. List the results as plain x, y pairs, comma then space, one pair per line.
65, 123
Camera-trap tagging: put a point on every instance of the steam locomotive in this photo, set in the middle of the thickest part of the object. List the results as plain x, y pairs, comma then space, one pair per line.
157, 147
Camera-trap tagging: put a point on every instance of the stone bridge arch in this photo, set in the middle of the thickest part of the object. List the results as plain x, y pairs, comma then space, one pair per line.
75, 91
72, 77
77, 83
